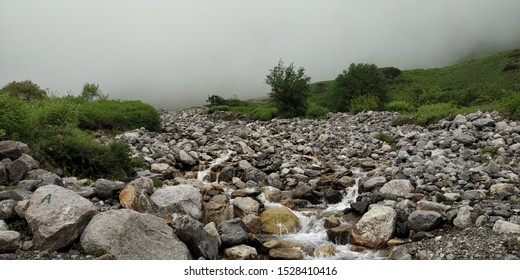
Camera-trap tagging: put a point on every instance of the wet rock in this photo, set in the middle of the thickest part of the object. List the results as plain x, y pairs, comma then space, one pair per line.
243, 206
339, 234
227, 174
232, 232
324, 250
57, 216
423, 220
331, 222
359, 207
375, 228
10, 241
399, 188
279, 220
191, 232
129, 235
241, 252
181, 199
285, 254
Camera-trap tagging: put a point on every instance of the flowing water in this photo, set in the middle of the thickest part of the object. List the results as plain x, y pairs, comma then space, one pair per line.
312, 232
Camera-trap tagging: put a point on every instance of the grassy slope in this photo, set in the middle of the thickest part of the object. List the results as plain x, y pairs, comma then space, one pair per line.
485, 70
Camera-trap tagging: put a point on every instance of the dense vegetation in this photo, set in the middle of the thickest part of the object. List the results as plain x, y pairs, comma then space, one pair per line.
59, 130
422, 96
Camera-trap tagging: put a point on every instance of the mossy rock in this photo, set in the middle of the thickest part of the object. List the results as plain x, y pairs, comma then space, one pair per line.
279, 220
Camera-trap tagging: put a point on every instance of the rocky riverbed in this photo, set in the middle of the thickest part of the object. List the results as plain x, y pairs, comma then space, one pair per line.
223, 187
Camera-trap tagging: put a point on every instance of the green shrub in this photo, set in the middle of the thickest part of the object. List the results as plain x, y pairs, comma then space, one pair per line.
489, 150
385, 138
56, 112
26, 90
16, 119
215, 100
315, 111
428, 114
433, 95
263, 113
511, 104
403, 119
78, 154
399, 106
91, 92
364, 103
118, 115
158, 183
390, 72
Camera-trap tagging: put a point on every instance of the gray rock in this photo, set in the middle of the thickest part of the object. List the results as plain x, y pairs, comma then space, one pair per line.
21, 207
506, 227
128, 235
186, 159
12, 149
272, 194
432, 206
372, 184
232, 232
253, 174
227, 174
423, 220
252, 223
191, 232
375, 228
10, 241
106, 189
19, 167
285, 254
473, 195
3, 225
480, 123
57, 216
181, 199
463, 219
243, 206
399, 188
463, 138
7, 209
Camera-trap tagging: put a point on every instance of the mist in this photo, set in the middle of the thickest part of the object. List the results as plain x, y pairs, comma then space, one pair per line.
173, 54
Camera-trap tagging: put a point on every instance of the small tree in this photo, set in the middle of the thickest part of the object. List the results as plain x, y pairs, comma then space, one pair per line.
26, 90
91, 92
215, 100
359, 80
289, 89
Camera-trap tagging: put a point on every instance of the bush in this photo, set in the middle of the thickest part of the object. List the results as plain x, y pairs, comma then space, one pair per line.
289, 89
215, 100
118, 115
91, 92
26, 90
315, 111
511, 104
263, 113
213, 109
428, 114
364, 103
56, 112
360, 80
16, 120
403, 119
390, 72
399, 106
77, 153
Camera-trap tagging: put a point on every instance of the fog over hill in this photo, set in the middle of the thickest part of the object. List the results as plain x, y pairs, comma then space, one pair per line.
175, 53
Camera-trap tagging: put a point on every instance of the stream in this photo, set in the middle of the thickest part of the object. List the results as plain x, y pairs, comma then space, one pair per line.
312, 232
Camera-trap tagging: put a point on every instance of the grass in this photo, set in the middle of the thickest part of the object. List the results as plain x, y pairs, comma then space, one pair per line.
385, 138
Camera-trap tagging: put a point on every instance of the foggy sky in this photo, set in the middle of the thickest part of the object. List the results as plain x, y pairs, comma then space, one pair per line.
175, 53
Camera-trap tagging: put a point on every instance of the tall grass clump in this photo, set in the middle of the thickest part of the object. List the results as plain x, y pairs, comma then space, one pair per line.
428, 114
399, 106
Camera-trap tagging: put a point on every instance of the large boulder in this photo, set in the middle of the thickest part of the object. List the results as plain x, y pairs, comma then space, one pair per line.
181, 199
191, 232
279, 220
106, 189
375, 227
506, 227
423, 220
399, 188
372, 183
57, 216
12, 149
129, 235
